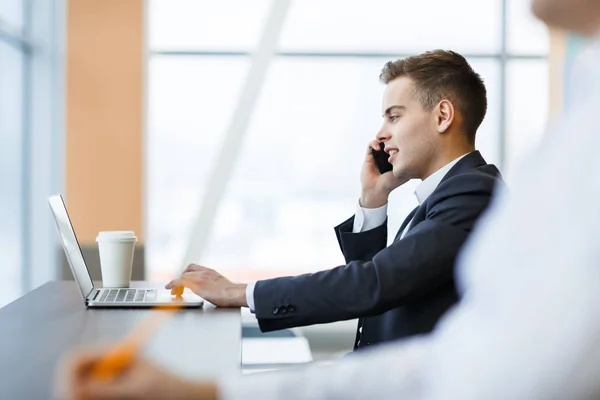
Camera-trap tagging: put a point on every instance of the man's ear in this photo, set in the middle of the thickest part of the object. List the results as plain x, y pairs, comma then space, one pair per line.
444, 115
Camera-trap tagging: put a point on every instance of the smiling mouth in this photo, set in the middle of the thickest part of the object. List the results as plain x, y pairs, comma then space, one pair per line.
392, 154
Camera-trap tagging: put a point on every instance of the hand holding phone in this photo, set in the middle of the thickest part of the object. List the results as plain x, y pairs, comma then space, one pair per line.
381, 159
376, 182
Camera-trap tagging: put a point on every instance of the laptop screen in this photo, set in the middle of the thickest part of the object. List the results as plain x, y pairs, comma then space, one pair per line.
70, 245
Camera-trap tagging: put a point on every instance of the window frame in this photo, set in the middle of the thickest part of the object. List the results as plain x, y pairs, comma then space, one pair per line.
41, 41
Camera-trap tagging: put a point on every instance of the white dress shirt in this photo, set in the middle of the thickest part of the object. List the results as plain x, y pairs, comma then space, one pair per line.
366, 219
528, 324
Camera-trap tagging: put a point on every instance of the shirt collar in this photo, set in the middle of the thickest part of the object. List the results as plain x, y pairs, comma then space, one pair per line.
425, 188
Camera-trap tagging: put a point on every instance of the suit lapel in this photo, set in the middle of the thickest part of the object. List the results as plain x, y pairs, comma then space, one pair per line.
470, 161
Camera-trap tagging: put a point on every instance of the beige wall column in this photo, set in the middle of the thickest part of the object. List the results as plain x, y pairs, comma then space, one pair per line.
104, 120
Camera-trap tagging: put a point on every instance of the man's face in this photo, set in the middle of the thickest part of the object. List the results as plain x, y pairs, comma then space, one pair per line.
408, 131
577, 15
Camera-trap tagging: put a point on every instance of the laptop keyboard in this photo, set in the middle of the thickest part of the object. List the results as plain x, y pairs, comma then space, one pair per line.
123, 295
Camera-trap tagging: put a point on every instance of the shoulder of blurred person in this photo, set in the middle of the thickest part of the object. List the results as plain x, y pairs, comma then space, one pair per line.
529, 274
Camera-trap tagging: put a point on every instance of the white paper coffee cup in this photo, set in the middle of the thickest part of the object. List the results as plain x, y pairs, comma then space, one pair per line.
116, 257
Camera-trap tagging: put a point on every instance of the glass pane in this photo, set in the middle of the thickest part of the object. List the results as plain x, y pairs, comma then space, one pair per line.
527, 109
206, 24
526, 34
298, 175
11, 13
398, 26
190, 105
11, 137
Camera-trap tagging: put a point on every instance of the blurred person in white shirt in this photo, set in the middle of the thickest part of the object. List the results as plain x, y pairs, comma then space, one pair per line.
528, 324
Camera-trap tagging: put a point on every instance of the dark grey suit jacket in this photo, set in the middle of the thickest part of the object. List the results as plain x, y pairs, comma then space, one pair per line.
399, 290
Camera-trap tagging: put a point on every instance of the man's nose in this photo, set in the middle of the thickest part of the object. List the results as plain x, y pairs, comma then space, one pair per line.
383, 135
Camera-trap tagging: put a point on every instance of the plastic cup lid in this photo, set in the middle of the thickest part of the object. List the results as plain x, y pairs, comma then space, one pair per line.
116, 236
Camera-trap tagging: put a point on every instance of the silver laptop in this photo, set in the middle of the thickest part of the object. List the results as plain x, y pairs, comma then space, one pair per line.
109, 297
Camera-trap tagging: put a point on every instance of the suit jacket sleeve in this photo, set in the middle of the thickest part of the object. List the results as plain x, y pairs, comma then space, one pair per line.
406, 270
363, 245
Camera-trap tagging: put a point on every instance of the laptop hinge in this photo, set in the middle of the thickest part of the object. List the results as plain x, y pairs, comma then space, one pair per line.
93, 295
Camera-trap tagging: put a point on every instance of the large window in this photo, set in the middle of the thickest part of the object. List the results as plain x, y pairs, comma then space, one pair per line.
30, 132
13, 57
298, 171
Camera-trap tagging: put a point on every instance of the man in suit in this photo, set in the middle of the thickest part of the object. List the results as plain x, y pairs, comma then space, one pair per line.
432, 107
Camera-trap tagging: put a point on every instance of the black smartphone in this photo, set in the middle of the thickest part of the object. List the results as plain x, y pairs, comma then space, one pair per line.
381, 159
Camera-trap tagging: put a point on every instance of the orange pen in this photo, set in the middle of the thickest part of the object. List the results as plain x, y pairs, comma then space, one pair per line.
122, 355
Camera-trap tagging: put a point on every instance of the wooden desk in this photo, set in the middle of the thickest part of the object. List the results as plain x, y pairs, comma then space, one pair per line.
38, 328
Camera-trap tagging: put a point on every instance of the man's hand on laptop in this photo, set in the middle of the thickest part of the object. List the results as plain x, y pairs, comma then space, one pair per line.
210, 285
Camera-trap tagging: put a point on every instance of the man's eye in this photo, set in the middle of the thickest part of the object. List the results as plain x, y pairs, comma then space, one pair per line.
393, 118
